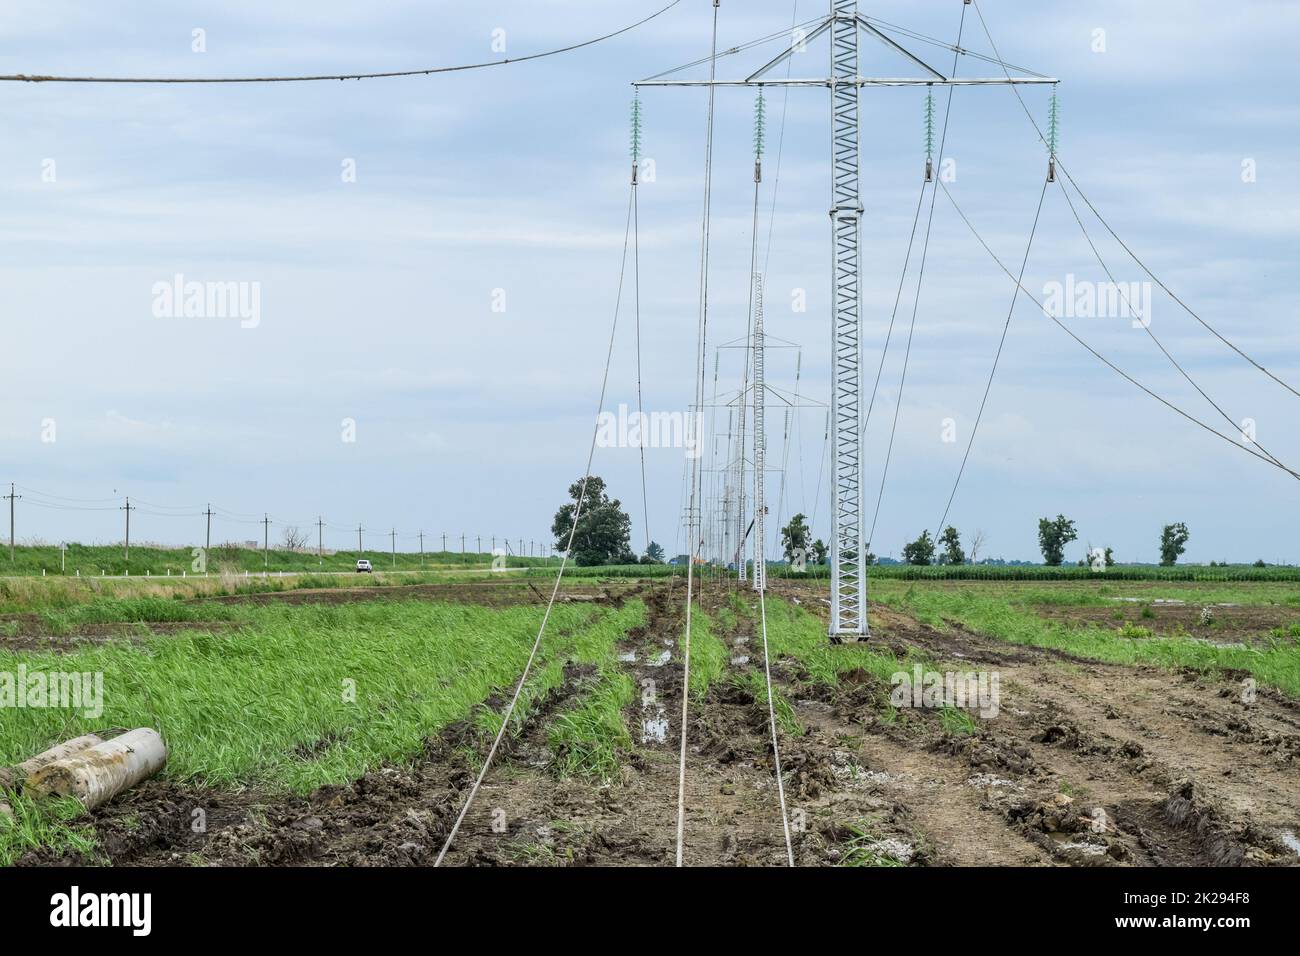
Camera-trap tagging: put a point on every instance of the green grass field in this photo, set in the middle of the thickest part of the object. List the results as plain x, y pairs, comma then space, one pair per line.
302, 696
1007, 613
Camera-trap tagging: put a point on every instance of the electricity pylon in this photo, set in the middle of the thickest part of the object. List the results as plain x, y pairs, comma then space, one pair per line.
845, 26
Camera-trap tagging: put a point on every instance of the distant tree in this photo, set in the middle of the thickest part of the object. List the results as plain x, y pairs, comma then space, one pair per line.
1053, 536
1110, 557
820, 551
794, 537
977, 542
604, 530
920, 551
1260, 563
1173, 542
293, 539
871, 558
654, 554
952, 552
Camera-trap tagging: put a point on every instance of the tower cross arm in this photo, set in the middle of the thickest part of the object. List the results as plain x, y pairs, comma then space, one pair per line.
866, 81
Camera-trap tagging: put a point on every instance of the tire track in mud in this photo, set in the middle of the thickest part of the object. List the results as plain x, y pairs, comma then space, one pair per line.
931, 803
1159, 767
732, 813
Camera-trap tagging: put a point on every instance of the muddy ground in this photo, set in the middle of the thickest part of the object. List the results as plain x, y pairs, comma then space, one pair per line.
1224, 624
1085, 764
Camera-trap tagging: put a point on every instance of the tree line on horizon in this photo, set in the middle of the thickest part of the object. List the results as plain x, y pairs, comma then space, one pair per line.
603, 537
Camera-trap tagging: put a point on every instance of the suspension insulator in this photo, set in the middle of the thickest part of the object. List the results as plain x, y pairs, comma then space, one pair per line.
929, 171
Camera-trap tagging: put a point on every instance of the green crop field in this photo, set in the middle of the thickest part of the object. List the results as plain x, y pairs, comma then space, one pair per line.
297, 697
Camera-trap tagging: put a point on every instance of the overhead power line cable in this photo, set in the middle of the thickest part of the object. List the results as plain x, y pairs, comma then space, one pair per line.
312, 78
1100, 357
916, 302
1145, 323
692, 516
749, 45
1133, 255
997, 358
577, 514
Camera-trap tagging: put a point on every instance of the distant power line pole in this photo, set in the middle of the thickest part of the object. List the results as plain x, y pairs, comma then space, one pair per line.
444, 542
266, 540
12, 497
421, 547
359, 547
128, 508
320, 537
394, 534
207, 538
478, 544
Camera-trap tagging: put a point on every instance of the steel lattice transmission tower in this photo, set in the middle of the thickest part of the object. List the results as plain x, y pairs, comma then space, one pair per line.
846, 26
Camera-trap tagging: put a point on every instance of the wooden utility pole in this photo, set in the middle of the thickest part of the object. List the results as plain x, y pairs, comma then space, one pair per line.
394, 534
207, 539
320, 538
266, 540
128, 508
12, 498
359, 548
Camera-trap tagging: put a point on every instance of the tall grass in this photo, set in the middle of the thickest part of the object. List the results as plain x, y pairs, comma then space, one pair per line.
793, 632
709, 655
303, 696
27, 594
1276, 665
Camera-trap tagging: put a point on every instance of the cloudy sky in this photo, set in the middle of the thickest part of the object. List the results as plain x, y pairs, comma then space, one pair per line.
510, 185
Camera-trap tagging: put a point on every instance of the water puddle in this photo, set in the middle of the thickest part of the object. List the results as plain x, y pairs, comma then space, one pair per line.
1087, 849
990, 780
1291, 842
654, 730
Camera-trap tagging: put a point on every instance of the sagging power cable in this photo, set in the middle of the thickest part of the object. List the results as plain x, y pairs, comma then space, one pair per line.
577, 514
997, 358
692, 515
1099, 356
916, 302
1132, 255
430, 71
1145, 323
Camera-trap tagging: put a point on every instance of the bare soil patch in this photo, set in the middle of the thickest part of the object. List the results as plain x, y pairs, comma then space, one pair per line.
1247, 624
